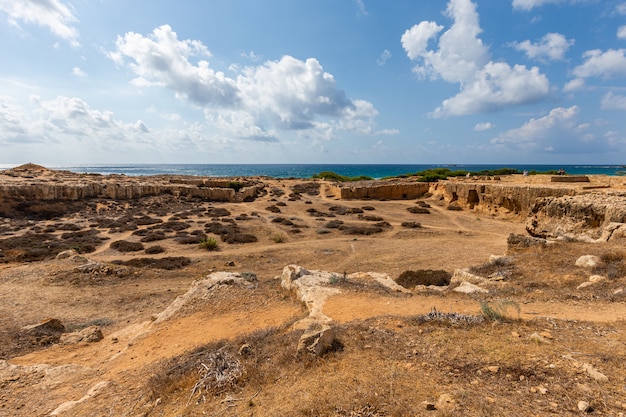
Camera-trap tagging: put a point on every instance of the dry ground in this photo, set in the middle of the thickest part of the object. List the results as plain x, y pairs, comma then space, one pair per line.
389, 358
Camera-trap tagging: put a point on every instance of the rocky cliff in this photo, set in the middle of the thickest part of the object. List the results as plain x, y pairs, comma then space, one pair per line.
24, 186
378, 190
586, 217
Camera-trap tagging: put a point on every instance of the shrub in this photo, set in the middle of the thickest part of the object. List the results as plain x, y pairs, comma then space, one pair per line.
153, 250
418, 210
409, 279
209, 243
333, 176
126, 246
235, 185
239, 238
498, 310
217, 212
167, 263
278, 238
411, 225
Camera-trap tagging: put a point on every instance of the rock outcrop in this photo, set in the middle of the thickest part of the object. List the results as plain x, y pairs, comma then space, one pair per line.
585, 217
378, 190
24, 188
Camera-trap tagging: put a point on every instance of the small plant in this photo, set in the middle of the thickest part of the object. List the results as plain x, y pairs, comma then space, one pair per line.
278, 238
335, 278
235, 185
497, 311
209, 244
249, 276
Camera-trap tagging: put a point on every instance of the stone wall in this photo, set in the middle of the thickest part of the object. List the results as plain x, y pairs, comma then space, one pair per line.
378, 190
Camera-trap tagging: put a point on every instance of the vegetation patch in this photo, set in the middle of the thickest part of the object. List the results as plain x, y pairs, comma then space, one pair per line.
167, 263
360, 230
126, 246
217, 212
411, 225
154, 250
418, 210
333, 176
409, 279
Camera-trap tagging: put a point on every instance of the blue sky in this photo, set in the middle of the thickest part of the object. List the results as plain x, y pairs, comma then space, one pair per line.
313, 81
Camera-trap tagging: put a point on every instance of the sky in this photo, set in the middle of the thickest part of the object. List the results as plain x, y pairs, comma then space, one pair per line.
313, 81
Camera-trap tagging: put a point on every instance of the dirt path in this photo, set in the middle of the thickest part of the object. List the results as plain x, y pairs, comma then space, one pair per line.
348, 307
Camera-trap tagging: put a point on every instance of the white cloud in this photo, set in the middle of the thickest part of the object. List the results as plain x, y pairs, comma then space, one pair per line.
53, 14
481, 127
621, 8
611, 63
64, 120
530, 4
384, 57
612, 101
621, 32
415, 40
548, 131
161, 59
462, 58
574, 85
76, 71
552, 46
260, 101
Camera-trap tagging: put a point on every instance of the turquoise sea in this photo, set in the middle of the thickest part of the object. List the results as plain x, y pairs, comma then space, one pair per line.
308, 170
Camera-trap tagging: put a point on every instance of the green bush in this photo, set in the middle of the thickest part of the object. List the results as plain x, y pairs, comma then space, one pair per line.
209, 244
235, 185
333, 176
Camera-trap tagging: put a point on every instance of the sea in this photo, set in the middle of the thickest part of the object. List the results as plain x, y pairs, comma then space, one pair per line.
376, 171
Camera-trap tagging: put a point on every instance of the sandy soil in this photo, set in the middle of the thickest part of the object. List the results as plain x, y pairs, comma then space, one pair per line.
112, 377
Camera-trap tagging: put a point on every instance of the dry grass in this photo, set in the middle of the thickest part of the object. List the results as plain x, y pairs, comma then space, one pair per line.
389, 366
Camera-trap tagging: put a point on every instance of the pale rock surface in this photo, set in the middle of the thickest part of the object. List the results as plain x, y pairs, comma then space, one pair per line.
587, 261
469, 288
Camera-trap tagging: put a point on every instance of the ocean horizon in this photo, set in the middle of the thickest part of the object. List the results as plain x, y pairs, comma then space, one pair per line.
376, 171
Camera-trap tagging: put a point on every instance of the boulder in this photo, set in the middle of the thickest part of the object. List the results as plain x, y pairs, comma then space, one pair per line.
469, 288
47, 327
319, 340
587, 261
89, 334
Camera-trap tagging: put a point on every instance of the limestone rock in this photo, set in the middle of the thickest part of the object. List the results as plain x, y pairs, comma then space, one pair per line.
594, 373
89, 334
469, 288
584, 407
593, 280
587, 261
596, 217
46, 327
317, 341
66, 254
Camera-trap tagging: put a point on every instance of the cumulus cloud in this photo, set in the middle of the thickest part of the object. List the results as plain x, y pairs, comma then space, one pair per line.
551, 46
607, 64
558, 130
481, 127
260, 101
63, 118
58, 17
574, 85
463, 59
612, 101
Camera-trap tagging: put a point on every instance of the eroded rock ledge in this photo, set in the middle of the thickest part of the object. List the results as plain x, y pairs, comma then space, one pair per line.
29, 184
